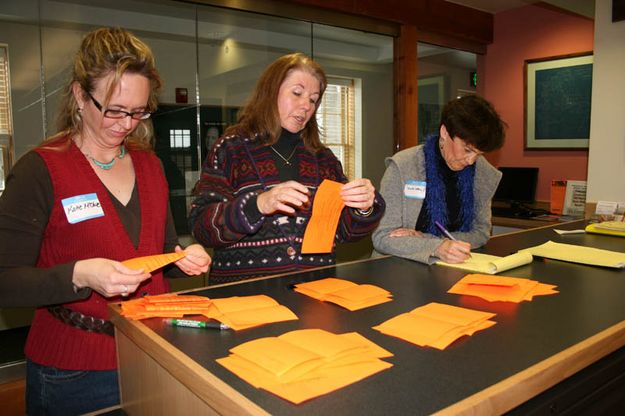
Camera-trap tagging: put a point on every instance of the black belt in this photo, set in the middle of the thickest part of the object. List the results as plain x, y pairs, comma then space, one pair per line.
80, 321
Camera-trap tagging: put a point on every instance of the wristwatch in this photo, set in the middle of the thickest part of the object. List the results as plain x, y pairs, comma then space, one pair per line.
366, 212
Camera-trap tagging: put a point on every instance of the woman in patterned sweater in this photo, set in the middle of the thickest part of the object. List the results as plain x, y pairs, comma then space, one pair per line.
255, 195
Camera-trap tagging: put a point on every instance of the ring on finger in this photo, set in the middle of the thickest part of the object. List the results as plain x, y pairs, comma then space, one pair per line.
125, 292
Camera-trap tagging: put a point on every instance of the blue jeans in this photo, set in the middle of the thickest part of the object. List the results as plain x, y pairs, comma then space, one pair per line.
50, 391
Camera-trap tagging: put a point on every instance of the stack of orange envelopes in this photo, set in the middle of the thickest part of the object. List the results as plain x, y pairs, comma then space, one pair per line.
242, 312
344, 293
303, 364
326, 213
151, 263
501, 288
436, 325
168, 305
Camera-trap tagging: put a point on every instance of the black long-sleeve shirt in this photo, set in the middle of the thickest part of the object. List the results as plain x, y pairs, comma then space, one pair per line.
25, 206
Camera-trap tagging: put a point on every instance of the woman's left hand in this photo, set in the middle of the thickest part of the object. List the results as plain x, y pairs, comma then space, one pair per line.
196, 260
405, 232
358, 194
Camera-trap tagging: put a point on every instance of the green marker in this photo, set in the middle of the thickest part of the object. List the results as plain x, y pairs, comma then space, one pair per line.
190, 323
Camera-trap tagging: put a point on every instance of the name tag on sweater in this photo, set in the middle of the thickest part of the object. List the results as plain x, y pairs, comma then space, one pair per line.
414, 189
82, 207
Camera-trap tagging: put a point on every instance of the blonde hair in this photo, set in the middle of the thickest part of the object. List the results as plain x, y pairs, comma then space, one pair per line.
103, 52
261, 117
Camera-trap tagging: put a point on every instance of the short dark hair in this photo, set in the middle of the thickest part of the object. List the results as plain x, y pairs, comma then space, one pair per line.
474, 120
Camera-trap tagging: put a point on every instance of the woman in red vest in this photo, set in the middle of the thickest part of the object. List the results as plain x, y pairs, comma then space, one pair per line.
75, 207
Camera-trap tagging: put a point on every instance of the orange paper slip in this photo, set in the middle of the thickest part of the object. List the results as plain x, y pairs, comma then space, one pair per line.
303, 364
436, 325
501, 288
326, 212
151, 263
242, 312
165, 306
345, 293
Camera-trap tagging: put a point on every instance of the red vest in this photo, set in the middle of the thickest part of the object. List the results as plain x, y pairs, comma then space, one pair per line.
51, 342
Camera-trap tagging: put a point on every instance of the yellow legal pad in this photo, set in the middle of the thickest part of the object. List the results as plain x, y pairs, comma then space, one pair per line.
326, 213
345, 293
578, 254
501, 288
242, 312
303, 364
436, 325
607, 227
489, 264
151, 263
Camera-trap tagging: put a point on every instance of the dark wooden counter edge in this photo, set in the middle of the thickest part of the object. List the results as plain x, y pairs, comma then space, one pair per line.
517, 389
498, 398
219, 396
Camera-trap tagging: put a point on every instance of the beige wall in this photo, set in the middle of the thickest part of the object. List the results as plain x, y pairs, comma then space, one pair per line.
606, 161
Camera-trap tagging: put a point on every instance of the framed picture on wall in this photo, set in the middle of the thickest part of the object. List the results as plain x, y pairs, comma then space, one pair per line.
432, 95
558, 93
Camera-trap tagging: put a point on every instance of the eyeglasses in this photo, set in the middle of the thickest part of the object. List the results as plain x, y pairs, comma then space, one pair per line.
118, 114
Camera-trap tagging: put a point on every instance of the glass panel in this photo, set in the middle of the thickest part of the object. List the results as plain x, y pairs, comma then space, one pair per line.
20, 31
366, 61
234, 49
168, 27
444, 74
207, 77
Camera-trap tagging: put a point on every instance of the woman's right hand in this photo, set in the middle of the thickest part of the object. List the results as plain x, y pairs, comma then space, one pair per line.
284, 197
107, 277
451, 251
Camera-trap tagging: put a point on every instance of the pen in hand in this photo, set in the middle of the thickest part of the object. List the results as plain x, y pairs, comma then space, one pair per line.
190, 323
447, 233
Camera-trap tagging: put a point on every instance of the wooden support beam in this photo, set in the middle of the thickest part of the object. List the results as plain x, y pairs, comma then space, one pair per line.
405, 88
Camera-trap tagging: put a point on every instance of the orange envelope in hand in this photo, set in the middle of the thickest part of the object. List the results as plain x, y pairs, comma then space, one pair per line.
326, 212
151, 263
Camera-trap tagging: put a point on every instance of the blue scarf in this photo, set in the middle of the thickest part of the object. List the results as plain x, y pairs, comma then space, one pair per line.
435, 202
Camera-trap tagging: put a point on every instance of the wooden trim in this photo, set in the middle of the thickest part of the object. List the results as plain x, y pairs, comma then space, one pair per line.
449, 23
12, 397
405, 86
307, 13
513, 391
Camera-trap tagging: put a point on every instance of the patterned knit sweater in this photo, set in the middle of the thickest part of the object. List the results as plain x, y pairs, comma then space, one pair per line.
235, 171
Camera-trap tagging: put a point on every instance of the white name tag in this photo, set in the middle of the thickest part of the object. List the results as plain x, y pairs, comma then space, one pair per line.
82, 207
414, 189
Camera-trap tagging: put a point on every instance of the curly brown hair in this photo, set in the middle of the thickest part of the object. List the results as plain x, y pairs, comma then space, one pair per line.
102, 52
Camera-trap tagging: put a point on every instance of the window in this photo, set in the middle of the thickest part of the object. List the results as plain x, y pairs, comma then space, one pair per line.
5, 115
179, 138
337, 120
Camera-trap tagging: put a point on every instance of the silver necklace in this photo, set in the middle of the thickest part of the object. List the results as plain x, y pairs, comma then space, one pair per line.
287, 160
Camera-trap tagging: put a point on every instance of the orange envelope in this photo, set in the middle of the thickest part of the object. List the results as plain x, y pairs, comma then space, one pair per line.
242, 312
168, 305
326, 212
436, 325
303, 364
151, 263
345, 293
501, 288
